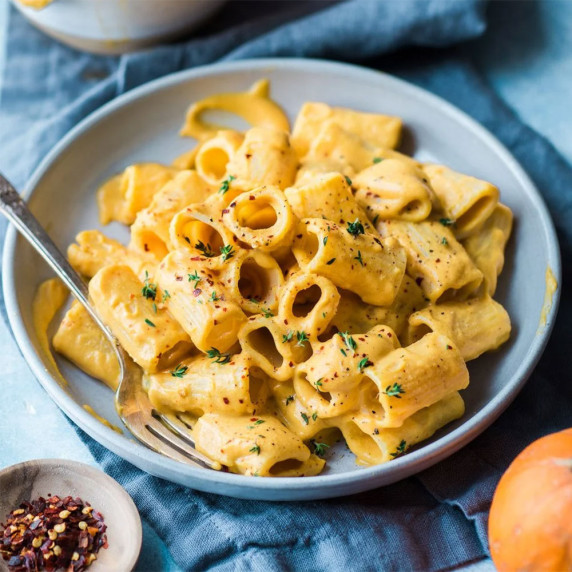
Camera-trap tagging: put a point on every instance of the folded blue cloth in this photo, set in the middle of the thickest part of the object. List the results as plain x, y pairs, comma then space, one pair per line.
432, 521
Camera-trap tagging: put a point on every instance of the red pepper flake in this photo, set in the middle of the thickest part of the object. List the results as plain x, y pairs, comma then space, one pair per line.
52, 534
197, 292
226, 401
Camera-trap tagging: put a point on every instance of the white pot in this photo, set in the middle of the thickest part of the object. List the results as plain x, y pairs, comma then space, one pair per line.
117, 26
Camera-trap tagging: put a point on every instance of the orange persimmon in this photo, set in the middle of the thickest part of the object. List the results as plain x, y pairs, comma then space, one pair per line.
530, 522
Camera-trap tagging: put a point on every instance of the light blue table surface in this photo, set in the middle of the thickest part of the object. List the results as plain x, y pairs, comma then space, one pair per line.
526, 55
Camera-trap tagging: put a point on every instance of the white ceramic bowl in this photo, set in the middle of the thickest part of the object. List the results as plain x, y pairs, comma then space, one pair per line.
32, 479
143, 125
117, 26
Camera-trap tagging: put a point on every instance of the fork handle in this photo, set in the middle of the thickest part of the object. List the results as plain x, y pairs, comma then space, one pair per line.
15, 209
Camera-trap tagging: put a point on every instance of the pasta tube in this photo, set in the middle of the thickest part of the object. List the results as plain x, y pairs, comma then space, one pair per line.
373, 444
354, 316
466, 200
259, 446
475, 326
273, 347
334, 144
265, 158
262, 218
122, 198
301, 420
214, 154
253, 279
82, 342
200, 385
409, 379
486, 246
308, 303
148, 332
437, 262
310, 169
94, 251
339, 365
150, 231
201, 234
378, 130
393, 188
200, 301
326, 383
327, 196
370, 267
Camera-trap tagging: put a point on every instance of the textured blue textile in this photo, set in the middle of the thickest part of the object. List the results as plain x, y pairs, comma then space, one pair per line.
432, 521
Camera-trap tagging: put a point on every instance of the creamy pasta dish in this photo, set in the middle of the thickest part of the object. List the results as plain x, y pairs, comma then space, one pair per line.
288, 288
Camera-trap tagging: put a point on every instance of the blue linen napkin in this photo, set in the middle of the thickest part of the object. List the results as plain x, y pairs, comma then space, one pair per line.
435, 520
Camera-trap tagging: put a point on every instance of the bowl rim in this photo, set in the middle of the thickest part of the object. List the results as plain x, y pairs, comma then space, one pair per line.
320, 486
79, 469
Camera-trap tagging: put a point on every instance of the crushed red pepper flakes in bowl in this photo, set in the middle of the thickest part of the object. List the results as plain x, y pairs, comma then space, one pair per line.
52, 534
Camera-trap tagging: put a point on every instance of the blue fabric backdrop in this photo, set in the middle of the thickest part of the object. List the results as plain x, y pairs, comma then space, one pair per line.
435, 520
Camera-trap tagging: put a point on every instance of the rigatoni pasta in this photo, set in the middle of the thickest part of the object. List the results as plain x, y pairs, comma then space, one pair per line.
284, 290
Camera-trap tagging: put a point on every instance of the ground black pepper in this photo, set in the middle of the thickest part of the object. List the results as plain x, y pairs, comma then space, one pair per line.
52, 534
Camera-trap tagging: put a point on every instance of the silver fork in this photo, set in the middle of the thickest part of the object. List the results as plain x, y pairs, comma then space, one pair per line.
166, 434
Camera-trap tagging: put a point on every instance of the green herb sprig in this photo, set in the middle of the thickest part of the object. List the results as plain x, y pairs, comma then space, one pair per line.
319, 448
395, 390
149, 290
355, 228
227, 252
287, 337
401, 448
363, 363
348, 340
225, 185
256, 423
302, 338
205, 249
194, 277
217, 356
180, 371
